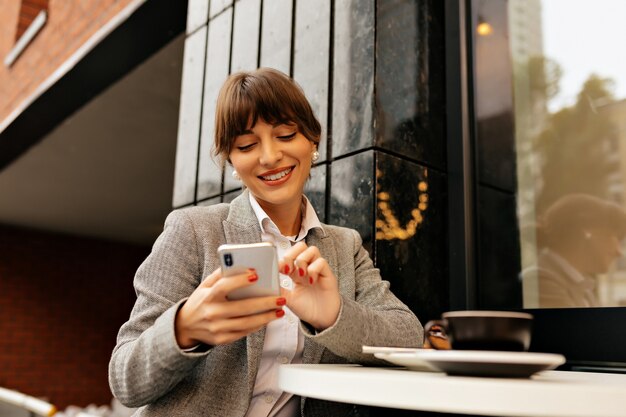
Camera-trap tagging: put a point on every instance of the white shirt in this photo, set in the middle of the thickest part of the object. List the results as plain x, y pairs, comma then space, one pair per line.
284, 342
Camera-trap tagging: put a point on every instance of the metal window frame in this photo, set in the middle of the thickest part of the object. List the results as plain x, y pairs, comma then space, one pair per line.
461, 159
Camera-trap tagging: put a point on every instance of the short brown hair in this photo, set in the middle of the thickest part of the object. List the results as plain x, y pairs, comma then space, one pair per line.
569, 215
265, 93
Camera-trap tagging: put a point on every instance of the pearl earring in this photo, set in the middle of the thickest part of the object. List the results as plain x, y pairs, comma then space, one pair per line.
315, 156
236, 176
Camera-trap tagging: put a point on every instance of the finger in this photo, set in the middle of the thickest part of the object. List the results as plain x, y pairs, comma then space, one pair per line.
302, 261
250, 306
309, 255
224, 286
300, 270
209, 281
299, 275
230, 337
226, 338
317, 269
227, 310
296, 250
245, 324
286, 265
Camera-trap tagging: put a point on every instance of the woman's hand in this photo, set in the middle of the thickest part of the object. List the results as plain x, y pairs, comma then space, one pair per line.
209, 317
315, 295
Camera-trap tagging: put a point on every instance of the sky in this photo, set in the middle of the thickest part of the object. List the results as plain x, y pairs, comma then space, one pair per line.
585, 37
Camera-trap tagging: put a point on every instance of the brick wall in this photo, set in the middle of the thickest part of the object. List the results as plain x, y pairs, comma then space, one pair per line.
62, 300
70, 23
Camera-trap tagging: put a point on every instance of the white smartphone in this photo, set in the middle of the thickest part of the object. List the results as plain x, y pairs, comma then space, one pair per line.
237, 259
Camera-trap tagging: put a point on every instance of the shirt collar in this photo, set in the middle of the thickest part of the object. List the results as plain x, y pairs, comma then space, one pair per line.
309, 220
571, 272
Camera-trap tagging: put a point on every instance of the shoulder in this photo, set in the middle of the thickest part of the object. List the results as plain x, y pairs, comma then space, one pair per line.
199, 214
199, 227
195, 223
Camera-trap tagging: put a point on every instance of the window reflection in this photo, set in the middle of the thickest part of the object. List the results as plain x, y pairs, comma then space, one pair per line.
578, 239
570, 134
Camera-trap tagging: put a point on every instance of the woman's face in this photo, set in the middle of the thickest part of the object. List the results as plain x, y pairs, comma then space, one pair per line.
274, 162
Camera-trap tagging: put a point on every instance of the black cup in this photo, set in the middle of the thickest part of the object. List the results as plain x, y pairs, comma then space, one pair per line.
480, 330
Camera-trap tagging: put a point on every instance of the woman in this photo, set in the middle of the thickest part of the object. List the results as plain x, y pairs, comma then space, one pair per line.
186, 350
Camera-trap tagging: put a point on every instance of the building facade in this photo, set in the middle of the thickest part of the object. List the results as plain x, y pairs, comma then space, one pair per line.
86, 176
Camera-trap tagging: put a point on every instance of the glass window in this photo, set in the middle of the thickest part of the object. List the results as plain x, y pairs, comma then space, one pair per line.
569, 101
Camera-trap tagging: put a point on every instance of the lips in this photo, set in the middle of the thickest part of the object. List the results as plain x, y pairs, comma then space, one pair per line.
276, 175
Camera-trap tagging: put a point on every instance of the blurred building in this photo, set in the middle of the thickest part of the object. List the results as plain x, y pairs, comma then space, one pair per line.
89, 96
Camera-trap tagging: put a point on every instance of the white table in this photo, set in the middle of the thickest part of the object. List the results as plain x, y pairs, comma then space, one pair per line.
546, 394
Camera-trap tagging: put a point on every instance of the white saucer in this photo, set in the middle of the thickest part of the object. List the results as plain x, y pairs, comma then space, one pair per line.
407, 357
475, 362
389, 349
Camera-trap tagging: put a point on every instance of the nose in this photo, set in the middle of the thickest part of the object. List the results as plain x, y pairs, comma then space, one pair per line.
271, 153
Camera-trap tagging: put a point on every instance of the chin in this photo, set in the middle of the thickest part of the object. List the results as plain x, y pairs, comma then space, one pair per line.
273, 199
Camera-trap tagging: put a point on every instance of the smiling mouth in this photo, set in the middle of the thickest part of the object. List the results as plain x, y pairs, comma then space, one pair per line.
277, 175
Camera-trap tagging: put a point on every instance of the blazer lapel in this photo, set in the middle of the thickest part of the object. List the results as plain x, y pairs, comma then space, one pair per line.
320, 238
242, 225
312, 352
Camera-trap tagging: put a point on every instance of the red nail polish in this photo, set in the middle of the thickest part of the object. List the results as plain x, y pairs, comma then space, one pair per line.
310, 280
280, 313
281, 301
286, 268
253, 277
301, 272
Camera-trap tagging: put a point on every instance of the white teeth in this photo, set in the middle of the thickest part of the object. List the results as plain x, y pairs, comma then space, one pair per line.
277, 176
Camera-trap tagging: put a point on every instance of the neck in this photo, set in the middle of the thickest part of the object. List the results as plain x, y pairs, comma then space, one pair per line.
575, 258
287, 217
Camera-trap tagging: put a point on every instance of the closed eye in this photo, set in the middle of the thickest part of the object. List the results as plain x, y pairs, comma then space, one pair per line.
287, 137
245, 148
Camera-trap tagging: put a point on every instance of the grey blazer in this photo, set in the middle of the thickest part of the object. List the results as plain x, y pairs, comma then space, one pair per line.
149, 370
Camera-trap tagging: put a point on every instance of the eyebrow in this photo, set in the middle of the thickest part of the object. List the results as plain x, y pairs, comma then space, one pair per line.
275, 125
